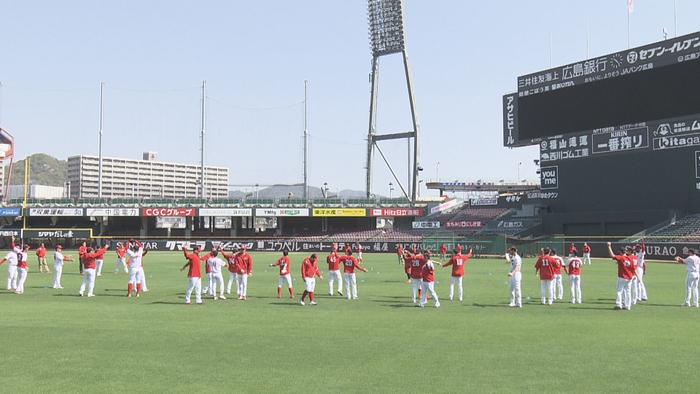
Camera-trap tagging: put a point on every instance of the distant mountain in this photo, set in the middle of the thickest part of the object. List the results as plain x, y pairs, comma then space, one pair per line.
43, 170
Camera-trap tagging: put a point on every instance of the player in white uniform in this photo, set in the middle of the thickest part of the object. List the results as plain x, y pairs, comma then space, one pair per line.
58, 259
573, 268
11, 258
98, 264
638, 287
22, 269
692, 264
135, 252
516, 276
215, 264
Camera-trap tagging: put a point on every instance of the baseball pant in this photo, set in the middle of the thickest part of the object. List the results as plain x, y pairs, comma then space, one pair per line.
207, 288
334, 276
691, 288
217, 279
641, 290
559, 286
98, 268
121, 263
196, 285
143, 280
43, 265
232, 278
575, 288
57, 271
80, 264
242, 285
457, 279
546, 285
22, 272
310, 284
586, 258
415, 284
516, 298
350, 284
623, 298
135, 275
11, 277
283, 278
89, 281
428, 287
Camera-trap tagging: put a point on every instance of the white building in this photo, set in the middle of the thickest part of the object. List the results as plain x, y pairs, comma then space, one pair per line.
147, 178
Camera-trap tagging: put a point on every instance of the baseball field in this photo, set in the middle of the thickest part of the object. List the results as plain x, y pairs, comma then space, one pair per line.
55, 341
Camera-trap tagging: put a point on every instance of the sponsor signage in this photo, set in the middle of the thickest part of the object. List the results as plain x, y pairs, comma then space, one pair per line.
617, 141
267, 245
112, 211
445, 205
225, 212
168, 211
464, 224
697, 164
347, 212
55, 211
54, 233
281, 212
10, 211
484, 201
426, 225
549, 178
393, 212
9, 233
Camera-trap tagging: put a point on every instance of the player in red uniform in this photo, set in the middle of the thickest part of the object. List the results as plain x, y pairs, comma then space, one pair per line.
557, 282
41, 255
416, 264
194, 275
121, 258
309, 270
443, 253
244, 264
349, 264
22, 269
399, 253
545, 268
89, 262
333, 261
81, 251
626, 268
572, 249
586, 253
457, 262
573, 268
428, 281
285, 274
358, 247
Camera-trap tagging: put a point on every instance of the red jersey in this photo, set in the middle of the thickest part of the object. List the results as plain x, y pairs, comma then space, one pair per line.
347, 247
195, 263
333, 261
81, 250
121, 252
556, 268
359, 248
457, 262
89, 258
572, 249
230, 258
407, 264
207, 268
574, 266
21, 260
545, 265
349, 264
624, 266
586, 249
244, 263
41, 251
283, 263
443, 250
417, 263
399, 250
309, 269
427, 271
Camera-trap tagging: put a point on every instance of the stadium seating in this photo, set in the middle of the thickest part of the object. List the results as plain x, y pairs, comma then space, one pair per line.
259, 202
58, 201
684, 230
293, 202
223, 202
92, 201
395, 202
327, 202
191, 202
159, 202
126, 201
361, 202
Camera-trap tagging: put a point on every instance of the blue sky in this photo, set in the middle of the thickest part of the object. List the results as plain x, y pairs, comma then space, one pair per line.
255, 56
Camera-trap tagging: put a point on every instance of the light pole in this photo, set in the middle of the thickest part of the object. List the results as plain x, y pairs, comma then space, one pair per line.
519, 164
325, 189
391, 189
68, 189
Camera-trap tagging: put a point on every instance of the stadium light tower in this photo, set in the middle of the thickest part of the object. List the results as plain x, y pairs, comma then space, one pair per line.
386, 36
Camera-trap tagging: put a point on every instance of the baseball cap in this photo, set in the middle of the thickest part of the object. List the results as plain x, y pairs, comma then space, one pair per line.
513, 248
59, 247
637, 246
693, 251
197, 248
26, 246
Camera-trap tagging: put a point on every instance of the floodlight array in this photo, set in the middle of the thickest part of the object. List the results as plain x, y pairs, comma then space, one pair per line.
385, 19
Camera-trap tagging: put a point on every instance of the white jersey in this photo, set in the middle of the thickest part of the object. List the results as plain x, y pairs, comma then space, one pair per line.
515, 261
640, 258
58, 258
215, 264
11, 258
22, 256
135, 258
692, 263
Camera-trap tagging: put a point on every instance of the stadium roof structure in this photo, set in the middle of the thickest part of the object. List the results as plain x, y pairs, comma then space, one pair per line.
501, 187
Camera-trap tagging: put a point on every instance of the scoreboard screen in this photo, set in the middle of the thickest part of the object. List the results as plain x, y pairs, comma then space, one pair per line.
650, 83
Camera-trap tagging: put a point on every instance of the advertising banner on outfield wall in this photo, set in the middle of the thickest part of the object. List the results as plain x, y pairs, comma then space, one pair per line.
282, 212
49, 233
270, 245
426, 225
112, 212
464, 224
347, 212
10, 211
55, 211
168, 211
396, 212
225, 212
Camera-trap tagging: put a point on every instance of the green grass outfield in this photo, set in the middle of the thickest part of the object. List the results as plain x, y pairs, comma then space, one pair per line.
54, 341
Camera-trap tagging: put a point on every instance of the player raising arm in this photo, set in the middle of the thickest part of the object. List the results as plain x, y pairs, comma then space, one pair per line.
515, 276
